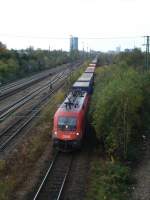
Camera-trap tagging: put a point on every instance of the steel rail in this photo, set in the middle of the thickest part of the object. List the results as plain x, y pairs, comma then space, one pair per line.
34, 112
59, 184
64, 181
33, 91
2, 147
20, 83
12, 88
45, 177
14, 106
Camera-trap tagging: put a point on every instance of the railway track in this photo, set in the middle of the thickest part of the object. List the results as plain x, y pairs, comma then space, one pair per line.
7, 135
55, 178
13, 88
5, 112
16, 87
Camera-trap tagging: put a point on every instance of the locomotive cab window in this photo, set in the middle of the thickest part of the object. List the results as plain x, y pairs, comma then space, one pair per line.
67, 123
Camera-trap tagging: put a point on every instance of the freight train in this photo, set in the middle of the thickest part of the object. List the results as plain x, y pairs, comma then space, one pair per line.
70, 118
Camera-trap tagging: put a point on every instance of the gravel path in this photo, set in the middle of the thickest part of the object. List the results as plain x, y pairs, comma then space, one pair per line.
142, 175
76, 184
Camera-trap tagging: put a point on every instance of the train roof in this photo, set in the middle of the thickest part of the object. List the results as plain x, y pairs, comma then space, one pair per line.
78, 84
92, 65
85, 86
90, 70
85, 77
73, 102
94, 60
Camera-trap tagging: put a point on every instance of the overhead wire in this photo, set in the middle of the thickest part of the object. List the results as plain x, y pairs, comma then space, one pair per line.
66, 38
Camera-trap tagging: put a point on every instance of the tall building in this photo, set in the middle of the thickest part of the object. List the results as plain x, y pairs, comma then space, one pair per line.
73, 43
118, 49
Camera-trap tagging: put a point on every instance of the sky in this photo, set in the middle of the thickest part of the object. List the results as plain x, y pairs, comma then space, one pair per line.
100, 24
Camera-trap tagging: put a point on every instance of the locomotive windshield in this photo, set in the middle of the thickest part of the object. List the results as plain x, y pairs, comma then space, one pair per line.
67, 123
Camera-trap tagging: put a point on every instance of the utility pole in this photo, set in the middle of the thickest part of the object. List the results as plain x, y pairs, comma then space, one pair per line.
147, 53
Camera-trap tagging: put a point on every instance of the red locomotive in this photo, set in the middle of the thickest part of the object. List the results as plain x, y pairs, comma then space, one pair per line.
69, 119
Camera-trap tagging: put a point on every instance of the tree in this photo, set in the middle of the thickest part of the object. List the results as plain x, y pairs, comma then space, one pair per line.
2, 47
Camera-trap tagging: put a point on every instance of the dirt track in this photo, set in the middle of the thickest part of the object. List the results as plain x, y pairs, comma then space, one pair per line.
142, 175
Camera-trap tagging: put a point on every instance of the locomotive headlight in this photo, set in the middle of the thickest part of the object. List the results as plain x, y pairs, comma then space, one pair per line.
77, 133
55, 132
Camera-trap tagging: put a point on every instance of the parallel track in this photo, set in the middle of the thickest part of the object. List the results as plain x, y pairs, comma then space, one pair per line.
13, 88
7, 135
54, 181
20, 102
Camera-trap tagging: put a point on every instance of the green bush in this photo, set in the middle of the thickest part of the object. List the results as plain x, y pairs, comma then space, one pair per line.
15, 64
116, 107
109, 181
